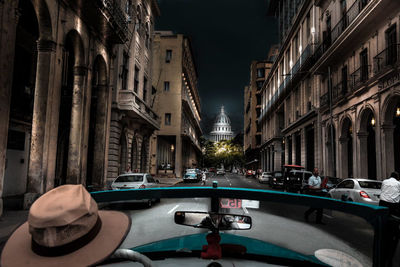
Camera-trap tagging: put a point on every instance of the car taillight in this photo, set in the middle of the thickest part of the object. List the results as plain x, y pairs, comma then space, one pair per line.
364, 194
142, 186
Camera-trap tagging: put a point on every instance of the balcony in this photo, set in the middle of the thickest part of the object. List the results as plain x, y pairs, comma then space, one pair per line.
348, 18
138, 109
356, 25
105, 17
387, 58
324, 100
359, 77
340, 90
299, 69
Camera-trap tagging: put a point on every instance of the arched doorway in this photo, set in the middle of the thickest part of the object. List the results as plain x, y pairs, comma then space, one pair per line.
331, 150
367, 142
97, 124
71, 81
134, 153
143, 155
391, 135
346, 145
123, 153
22, 102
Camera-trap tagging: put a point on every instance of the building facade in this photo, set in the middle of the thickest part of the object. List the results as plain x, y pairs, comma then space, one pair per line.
133, 120
222, 129
332, 98
252, 128
56, 92
175, 146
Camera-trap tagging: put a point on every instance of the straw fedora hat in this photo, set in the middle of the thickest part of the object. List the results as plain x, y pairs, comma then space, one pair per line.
65, 228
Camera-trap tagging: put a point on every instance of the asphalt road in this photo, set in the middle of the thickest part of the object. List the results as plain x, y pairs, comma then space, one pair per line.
279, 224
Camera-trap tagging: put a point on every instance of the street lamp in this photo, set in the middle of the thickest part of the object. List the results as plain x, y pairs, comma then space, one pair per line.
398, 112
373, 121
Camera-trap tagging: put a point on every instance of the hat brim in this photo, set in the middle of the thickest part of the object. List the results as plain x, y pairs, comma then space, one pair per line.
115, 226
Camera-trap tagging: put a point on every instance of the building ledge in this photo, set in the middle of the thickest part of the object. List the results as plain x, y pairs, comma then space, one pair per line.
300, 121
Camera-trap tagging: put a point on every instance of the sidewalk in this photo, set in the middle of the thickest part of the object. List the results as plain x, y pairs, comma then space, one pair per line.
9, 221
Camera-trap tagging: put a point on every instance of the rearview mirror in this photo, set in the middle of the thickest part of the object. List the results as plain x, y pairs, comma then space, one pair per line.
213, 220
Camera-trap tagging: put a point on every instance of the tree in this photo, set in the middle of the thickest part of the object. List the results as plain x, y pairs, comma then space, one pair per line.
225, 152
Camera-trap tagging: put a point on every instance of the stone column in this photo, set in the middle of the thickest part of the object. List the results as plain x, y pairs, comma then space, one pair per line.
178, 156
9, 19
74, 149
343, 163
98, 180
388, 149
362, 166
46, 49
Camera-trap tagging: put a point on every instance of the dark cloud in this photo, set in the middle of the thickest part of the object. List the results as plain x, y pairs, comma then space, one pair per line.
227, 35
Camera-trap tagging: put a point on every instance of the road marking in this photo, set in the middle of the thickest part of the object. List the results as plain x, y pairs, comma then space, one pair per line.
245, 210
174, 208
328, 216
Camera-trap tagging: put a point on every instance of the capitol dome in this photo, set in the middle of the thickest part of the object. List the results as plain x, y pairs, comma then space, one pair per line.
222, 127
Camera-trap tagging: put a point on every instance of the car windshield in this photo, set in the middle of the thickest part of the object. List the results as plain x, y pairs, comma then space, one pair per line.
370, 184
274, 223
129, 178
278, 174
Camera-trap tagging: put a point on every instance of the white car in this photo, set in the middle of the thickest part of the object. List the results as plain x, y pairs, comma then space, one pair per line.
220, 172
135, 181
265, 177
358, 190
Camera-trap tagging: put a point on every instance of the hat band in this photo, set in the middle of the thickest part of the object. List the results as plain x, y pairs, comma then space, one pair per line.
69, 247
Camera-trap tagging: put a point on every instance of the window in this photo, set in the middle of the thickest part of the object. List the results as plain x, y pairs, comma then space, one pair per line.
144, 89
364, 64
167, 119
344, 80
166, 86
124, 72
136, 82
260, 73
168, 56
259, 85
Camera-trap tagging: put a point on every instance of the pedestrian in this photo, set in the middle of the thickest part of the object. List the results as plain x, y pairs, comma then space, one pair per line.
65, 228
128, 170
314, 188
203, 179
390, 198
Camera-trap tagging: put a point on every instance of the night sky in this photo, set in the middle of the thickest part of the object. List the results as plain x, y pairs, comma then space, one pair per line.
226, 36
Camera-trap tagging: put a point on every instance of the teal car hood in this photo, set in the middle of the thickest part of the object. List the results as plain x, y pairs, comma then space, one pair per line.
253, 246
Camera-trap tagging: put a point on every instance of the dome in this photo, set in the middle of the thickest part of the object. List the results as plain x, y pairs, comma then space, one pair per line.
222, 127
222, 118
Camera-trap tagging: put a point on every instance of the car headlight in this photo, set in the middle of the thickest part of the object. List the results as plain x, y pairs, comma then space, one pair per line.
287, 178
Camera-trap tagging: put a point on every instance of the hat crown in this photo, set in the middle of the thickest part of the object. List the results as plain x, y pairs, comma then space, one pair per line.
61, 206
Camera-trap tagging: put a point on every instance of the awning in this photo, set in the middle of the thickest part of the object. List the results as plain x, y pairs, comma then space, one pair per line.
251, 162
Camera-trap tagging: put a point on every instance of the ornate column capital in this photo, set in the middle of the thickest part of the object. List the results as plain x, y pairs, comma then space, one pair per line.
44, 45
387, 128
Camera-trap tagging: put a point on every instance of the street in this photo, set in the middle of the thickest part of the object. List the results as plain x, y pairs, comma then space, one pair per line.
280, 224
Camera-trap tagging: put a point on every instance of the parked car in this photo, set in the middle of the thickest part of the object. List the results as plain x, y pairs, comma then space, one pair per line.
192, 175
221, 172
358, 190
295, 178
277, 179
265, 177
331, 182
136, 181
249, 173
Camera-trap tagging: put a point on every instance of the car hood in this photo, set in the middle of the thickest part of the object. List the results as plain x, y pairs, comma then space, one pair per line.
253, 246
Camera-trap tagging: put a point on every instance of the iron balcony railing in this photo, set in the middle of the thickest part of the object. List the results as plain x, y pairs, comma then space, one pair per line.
116, 18
360, 76
324, 100
387, 58
340, 90
348, 18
